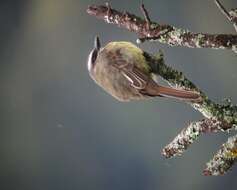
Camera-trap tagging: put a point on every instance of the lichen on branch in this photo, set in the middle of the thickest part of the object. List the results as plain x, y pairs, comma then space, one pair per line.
224, 159
217, 117
226, 113
189, 134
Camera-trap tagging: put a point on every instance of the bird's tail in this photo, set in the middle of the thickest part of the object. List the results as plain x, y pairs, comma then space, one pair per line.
179, 94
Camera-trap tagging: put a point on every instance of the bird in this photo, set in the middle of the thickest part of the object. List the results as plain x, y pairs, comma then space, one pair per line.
123, 70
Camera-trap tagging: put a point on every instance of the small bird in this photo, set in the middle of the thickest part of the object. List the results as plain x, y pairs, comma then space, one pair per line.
122, 69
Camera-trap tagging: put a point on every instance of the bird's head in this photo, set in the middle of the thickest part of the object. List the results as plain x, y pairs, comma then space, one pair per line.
93, 54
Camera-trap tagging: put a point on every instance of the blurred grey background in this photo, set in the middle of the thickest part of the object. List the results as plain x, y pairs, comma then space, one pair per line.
59, 130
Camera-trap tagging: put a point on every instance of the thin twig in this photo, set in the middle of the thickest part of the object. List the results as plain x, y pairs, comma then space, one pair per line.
228, 15
223, 10
146, 15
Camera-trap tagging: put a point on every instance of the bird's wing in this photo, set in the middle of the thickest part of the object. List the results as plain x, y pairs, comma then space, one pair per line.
134, 75
147, 86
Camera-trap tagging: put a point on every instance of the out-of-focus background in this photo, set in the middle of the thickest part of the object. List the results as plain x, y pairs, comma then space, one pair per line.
59, 130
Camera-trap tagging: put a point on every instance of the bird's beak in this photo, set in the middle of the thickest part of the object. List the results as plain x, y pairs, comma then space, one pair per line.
97, 43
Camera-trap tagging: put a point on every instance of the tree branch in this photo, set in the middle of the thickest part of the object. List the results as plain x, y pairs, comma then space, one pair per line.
217, 117
224, 159
226, 113
163, 33
189, 134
